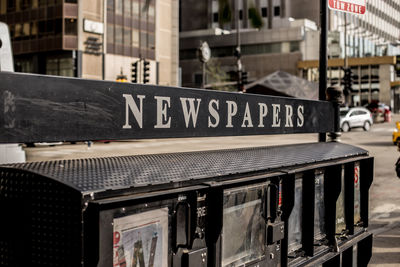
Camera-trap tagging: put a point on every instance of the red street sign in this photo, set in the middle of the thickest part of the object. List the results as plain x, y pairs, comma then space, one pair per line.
351, 6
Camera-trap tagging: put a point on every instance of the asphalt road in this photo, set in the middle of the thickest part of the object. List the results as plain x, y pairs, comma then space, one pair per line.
384, 193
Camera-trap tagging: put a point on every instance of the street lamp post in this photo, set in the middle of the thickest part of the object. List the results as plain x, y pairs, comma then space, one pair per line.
323, 58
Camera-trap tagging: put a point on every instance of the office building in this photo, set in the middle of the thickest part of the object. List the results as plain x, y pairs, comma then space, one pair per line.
270, 38
94, 39
368, 45
288, 40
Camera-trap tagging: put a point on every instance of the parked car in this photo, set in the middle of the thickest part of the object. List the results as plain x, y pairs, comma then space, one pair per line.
355, 117
396, 133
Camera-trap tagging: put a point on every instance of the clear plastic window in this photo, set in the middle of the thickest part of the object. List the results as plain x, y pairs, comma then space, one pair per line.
355, 247
141, 239
295, 218
340, 218
243, 232
357, 215
319, 208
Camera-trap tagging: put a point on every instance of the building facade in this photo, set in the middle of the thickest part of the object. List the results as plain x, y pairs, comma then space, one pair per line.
270, 39
372, 77
94, 39
262, 52
367, 44
374, 35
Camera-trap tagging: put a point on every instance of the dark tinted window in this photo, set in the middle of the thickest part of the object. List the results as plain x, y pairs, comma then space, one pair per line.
264, 12
277, 11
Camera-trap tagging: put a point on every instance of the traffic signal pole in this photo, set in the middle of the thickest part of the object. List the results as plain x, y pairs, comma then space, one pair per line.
323, 58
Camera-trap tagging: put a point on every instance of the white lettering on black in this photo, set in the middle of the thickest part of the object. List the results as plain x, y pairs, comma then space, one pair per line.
276, 121
289, 114
300, 116
232, 110
193, 111
130, 104
247, 117
213, 113
263, 114
163, 103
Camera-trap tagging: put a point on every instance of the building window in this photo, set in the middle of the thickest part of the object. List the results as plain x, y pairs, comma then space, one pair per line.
110, 5
34, 29
135, 8
152, 11
60, 66
118, 7
215, 17
127, 8
35, 4
127, 37
240, 14
118, 35
110, 33
277, 11
143, 39
26, 29
3, 6
264, 12
135, 38
294, 46
10, 6
18, 29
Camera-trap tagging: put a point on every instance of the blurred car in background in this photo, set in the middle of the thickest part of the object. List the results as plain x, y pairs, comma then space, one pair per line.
356, 117
396, 133
380, 111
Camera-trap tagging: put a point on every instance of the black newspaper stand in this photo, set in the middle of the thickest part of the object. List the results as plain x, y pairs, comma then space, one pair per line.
291, 205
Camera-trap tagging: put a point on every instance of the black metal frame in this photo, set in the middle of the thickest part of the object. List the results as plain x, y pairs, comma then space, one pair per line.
100, 205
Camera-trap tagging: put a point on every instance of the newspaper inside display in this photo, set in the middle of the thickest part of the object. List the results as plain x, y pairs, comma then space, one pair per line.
243, 230
295, 218
141, 239
319, 208
340, 217
357, 211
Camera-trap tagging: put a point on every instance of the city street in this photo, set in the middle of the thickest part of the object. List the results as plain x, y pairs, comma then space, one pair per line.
107, 109
384, 193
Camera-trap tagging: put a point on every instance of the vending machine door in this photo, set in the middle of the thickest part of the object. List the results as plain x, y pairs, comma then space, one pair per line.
244, 228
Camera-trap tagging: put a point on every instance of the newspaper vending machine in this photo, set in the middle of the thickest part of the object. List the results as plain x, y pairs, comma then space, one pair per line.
290, 205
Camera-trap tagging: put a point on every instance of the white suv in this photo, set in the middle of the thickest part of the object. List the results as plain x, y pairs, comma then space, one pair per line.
355, 117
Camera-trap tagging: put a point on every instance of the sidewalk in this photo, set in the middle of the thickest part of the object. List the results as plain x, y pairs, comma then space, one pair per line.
386, 225
386, 246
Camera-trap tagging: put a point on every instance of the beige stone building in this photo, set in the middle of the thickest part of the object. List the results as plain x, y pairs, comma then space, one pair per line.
95, 39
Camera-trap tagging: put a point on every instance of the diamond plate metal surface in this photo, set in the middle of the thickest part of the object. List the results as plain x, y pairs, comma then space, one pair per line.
100, 174
41, 225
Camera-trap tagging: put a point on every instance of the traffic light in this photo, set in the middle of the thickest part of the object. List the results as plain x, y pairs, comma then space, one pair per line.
347, 81
134, 71
146, 71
